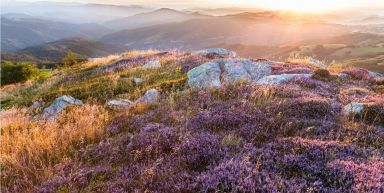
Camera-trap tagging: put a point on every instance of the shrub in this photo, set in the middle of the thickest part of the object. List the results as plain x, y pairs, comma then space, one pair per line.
374, 114
323, 75
19, 72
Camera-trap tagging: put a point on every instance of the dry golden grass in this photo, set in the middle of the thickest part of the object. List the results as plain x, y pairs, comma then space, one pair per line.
100, 61
30, 150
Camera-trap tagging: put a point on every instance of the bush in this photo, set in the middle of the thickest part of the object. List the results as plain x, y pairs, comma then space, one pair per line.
323, 75
19, 72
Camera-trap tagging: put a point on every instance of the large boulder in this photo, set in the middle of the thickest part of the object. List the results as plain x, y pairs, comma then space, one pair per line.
152, 64
282, 78
58, 105
205, 76
119, 104
216, 52
150, 96
238, 69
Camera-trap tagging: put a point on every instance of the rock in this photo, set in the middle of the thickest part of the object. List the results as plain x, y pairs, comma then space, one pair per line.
237, 69
278, 79
58, 105
216, 51
36, 105
353, 108
343, 75
376, 74
205, 76
119, 104
152, 64
150, 96
137, 81
316, 63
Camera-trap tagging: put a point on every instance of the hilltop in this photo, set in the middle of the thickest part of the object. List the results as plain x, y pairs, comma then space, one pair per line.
206, 121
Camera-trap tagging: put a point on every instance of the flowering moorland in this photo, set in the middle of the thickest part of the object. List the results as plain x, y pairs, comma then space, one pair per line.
290, 137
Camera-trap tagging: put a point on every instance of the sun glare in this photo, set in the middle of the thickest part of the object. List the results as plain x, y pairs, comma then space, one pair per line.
301, 5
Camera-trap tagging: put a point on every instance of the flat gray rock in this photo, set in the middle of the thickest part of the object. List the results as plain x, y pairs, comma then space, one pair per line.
205, 76
282, 78
58, 105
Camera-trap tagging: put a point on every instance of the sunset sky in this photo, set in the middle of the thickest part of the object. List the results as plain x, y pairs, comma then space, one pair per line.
296, 5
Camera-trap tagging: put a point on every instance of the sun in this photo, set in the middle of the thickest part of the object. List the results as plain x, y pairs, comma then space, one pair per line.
299, 5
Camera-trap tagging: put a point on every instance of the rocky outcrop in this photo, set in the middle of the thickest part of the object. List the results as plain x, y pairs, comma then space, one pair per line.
282, 78
205, 76
228, 71
119, 104
58, 105
210, 52
152, 64
238, 69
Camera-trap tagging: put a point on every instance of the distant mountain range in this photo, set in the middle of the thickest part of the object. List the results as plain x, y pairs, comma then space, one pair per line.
248, 28
156, 17
24, 31
72, 12
55, 51
27, 34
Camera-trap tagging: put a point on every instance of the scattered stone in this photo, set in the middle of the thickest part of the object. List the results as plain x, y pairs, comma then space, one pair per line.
137, 81
238, 69
343, 75
317, 63
353, 108
119, 104
216, 51
58, 105
205, 76
150, 96
152, 64
278, 79
376, 74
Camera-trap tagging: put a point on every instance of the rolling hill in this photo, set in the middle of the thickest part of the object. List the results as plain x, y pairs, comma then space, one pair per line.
156, 17
21, 32
236, 29
55, 51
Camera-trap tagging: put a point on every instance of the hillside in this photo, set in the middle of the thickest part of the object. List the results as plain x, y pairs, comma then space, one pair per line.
171, 121
55, 51
156, 17
21, 32
244, 29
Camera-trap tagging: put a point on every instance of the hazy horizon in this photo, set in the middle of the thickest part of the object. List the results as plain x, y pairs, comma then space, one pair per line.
288, 5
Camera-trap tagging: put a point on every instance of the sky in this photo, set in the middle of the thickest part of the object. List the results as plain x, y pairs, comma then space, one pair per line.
293, 5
